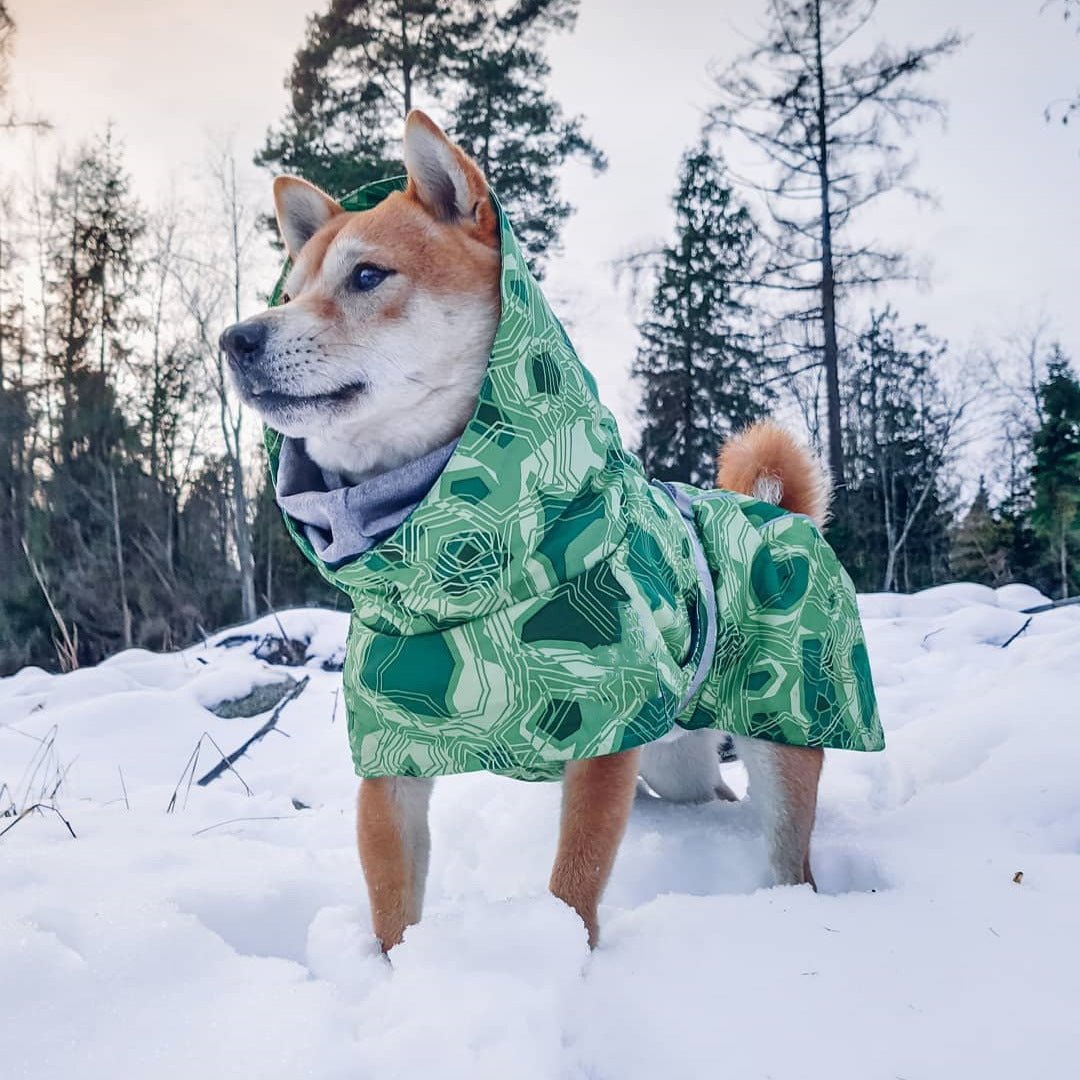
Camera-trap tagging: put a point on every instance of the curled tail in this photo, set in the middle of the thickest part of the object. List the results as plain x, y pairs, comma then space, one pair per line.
766, 462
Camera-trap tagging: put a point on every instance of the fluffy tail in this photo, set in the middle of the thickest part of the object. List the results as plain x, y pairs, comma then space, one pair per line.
766, 462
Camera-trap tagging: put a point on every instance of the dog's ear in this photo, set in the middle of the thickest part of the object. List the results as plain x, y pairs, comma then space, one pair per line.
445, 180
302, 210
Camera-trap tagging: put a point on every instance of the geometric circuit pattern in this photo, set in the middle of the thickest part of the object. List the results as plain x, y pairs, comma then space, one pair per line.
541, 604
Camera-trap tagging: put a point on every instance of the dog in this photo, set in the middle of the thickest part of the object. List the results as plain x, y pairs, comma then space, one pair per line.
376, 357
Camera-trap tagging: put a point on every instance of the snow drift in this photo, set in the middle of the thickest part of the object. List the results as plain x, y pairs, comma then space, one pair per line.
231, 938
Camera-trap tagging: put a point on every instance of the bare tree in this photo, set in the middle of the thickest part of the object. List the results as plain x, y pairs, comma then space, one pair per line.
1017, 367
828, 124
213, 286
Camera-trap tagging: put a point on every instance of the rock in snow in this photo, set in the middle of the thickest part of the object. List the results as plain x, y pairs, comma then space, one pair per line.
231, 937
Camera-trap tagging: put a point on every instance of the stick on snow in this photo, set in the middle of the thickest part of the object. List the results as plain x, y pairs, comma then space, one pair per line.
227, 762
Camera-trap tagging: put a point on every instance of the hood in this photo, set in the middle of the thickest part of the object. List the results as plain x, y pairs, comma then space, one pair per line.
531, 496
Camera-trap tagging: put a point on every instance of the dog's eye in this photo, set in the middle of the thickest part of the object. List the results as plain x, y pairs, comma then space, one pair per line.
367, 276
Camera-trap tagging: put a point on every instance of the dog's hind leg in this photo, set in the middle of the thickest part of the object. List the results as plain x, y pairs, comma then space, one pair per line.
686, 768
395, 843
784, 787
597, 796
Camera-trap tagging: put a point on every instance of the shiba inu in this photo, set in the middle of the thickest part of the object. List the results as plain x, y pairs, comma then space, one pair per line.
525, 601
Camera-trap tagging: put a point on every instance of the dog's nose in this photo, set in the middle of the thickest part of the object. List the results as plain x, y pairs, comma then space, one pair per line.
244, 341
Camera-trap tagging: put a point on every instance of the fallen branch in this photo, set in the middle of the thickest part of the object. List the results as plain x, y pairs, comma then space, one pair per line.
227, 761
1027, 623
1050, 607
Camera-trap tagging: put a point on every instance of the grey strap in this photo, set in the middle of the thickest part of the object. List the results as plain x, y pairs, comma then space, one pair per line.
703, 648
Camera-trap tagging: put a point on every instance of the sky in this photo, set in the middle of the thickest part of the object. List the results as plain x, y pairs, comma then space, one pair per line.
1001, 252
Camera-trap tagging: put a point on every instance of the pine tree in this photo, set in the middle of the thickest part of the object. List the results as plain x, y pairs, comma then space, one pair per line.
94, 275
505, 118
93, 495
365, 63
1056, 512
698, 365
829, 124
980, 543
351, 77
898, 431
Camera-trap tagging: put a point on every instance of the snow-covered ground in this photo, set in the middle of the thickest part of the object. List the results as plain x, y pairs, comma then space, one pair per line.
230, 938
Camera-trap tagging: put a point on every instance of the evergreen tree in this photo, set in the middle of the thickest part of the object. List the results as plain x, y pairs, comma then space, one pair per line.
504, 116
898, 431
1056, 511
829, 123
93, 275
351, 77
698, 365
981, 543
92, 495
365, 63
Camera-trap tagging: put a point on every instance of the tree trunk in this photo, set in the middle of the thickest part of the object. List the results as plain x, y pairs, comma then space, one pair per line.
235, 450
125, 611
830, 357
1064, 563
242, 527
406, 62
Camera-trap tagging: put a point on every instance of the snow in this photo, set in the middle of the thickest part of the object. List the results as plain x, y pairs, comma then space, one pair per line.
231, 938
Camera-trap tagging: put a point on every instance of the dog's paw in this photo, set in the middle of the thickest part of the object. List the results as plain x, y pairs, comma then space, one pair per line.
724, 793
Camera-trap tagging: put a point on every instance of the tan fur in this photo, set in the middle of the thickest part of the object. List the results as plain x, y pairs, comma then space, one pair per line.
767, 462
799, 771
766, 452
597, 796
374, 378
387, 868
400, 235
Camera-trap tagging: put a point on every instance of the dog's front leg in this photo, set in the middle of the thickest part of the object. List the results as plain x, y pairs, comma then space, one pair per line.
394, 840
597, 796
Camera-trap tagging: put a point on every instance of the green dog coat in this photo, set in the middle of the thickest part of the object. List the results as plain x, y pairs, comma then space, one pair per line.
545, 603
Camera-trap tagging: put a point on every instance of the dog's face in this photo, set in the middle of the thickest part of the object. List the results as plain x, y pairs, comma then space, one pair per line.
378, 354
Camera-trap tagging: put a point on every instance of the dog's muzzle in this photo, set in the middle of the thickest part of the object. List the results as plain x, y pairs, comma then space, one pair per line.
244, 342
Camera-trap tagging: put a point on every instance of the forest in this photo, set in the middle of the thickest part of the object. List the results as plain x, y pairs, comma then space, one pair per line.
135, 506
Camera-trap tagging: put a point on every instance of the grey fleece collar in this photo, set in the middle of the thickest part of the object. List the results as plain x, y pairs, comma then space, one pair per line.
342, 521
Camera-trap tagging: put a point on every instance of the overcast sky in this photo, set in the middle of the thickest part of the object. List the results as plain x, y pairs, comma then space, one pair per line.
1003, 249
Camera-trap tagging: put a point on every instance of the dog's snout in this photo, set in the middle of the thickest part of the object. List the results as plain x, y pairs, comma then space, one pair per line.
244, 341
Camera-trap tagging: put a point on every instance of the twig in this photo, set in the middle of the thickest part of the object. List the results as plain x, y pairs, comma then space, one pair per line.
1027, 623
189, 767
123, 787
231, 821
67, 650
193, 764
40, 760
61, 777
39, 806
284, 636
227, 761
